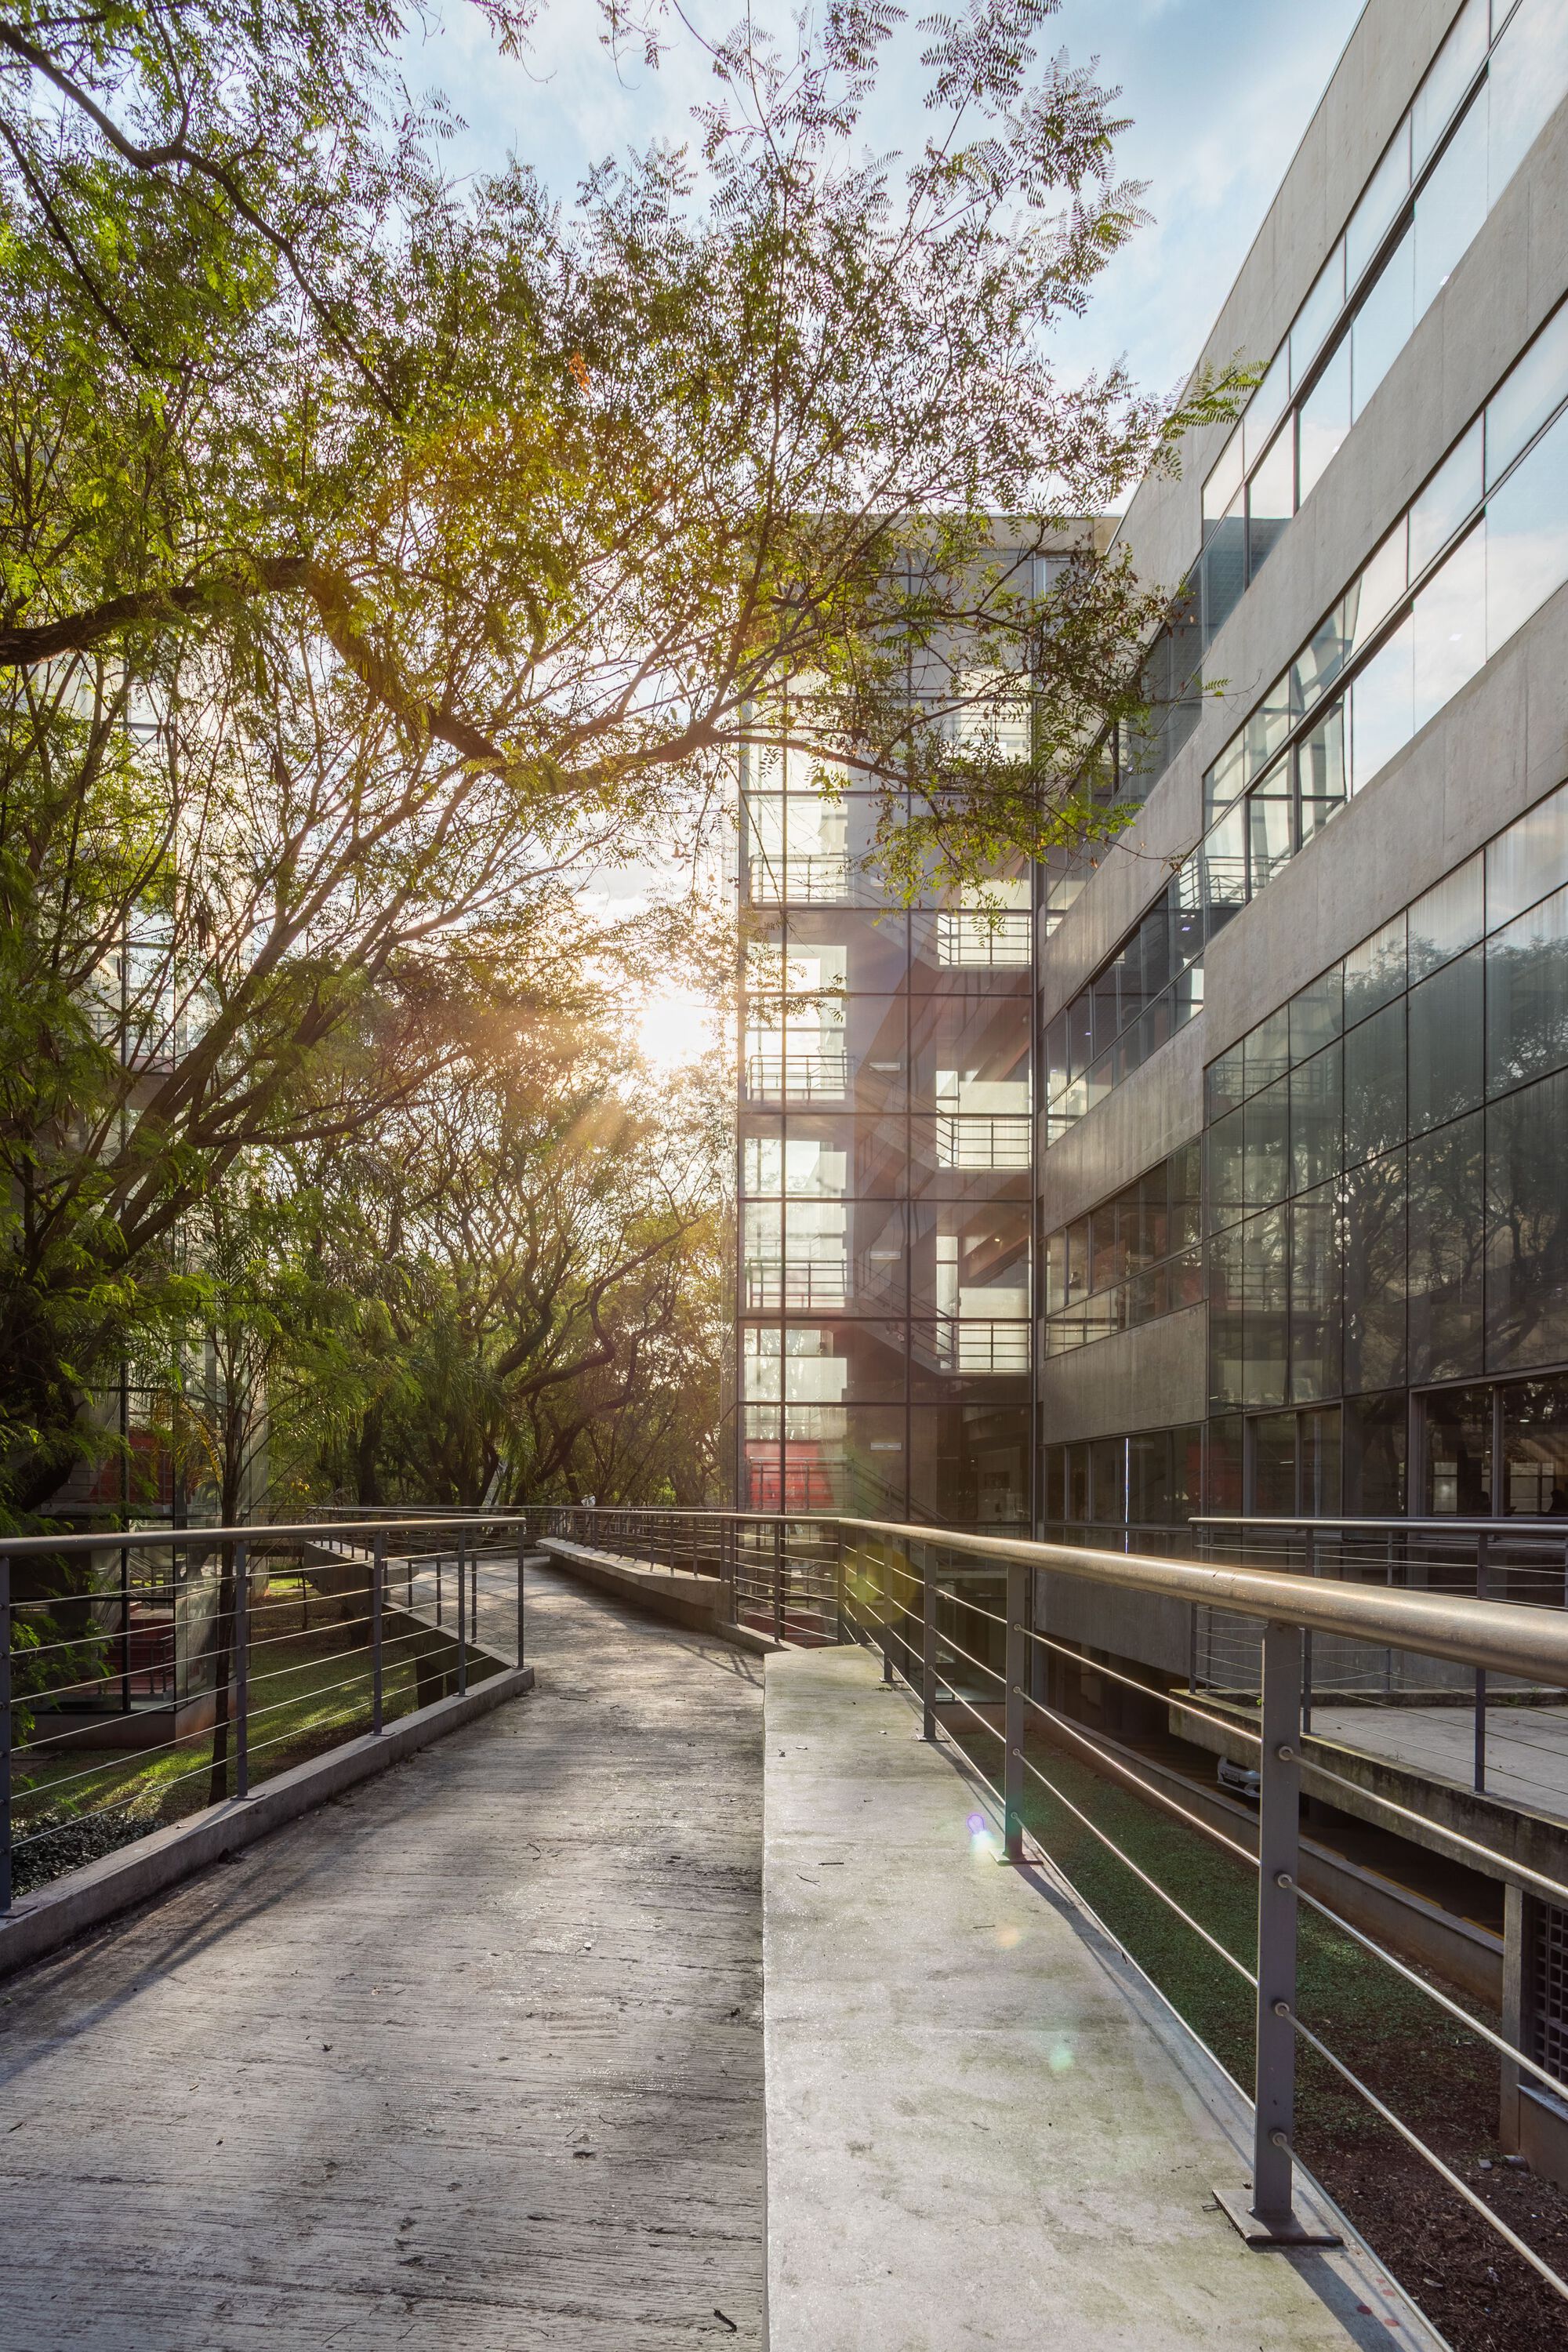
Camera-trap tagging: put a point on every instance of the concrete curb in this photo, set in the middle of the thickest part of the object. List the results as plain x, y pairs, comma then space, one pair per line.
40, 1923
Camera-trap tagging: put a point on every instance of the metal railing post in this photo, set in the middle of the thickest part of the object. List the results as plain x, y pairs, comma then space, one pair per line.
521, 1563
928, 1645
4, 1733
377, 1586
437, 1587
839, 1598
778, 1580
462, 1621
1483, 1567
1311, 1551
241, 1673
1015, 1666
1267, 2215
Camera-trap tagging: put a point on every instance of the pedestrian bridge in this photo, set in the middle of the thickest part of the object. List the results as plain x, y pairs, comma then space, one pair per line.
685, 1997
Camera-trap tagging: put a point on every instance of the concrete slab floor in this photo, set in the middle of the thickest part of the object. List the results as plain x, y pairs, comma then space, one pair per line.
469, 2061
983, 2127
1527, 1746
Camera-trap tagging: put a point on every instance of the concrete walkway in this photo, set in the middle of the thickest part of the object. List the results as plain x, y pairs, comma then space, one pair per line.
983, 2129
469, 2062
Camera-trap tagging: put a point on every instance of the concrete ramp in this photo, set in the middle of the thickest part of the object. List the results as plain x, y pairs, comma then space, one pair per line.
983, 2128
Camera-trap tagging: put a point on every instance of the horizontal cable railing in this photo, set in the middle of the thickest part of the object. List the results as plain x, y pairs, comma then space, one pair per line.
953, 1616
139, 1664
157, 1621
1520, 1561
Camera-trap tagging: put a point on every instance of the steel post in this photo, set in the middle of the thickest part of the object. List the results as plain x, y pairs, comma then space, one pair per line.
1307, 1643
1483, 1578
377, 1589
241, 1673
840, 1612
778, 1580
522, 1562
1265, 2213
462, 1620
928, 1646
1015, 1665
4, 1733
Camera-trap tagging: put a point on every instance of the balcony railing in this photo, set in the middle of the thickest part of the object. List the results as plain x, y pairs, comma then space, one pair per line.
797, 1077
816, 879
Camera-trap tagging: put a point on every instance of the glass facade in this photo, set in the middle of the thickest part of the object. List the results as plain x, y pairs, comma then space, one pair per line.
1124, 1493
1500, 74
1474, 556
1136, 1256
886, 1177
1386, 1212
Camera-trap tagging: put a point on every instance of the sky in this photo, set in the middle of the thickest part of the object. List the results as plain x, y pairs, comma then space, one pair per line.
1219, 93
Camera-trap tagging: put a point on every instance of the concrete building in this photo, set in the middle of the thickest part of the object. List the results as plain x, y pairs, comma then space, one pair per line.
1298, 1077
1301, 1149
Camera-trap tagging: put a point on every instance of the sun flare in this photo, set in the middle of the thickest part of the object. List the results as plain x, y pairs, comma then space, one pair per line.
677, 1029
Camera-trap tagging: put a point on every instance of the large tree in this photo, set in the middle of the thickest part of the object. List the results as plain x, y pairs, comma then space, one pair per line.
374, 552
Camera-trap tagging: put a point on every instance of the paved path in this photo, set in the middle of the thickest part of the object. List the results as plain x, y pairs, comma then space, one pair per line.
984, 2131
469, 2061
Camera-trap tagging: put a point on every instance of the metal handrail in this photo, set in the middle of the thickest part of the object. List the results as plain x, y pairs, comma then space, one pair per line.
902, 1564
1500, 1636
1522, 1525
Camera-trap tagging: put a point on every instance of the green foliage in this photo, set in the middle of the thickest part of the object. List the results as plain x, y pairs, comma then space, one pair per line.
377, 554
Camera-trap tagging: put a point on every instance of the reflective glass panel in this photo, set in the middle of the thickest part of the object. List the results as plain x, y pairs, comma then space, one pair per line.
1268, 1049
1227, 1166
1535, 1447
1223, 482
1453, 491
1266, 406
1447, 79
1375, 971
1459, 1431
1447, 1250
1527, 860
1375, 1442
1317, 315
1383, 325
1265, 1291
1271, 829
1374, 1272
1267, 1130
1526, 1225
1451, 626
1317, 1014
1316, 1120
1322, 779
1525, 81
1322, 420
1446, 1042
1527, 994
1526, 536
1316, 1296
1384, 579
1452, 205
1374, 1082
1380, 201
1383, 703
1270, 499
1534, 386
1448, 918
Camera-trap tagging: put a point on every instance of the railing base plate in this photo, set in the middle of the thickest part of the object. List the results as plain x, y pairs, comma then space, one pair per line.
1292, 2233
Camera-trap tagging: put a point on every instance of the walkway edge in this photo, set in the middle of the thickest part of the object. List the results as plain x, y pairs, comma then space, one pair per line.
55, 1914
